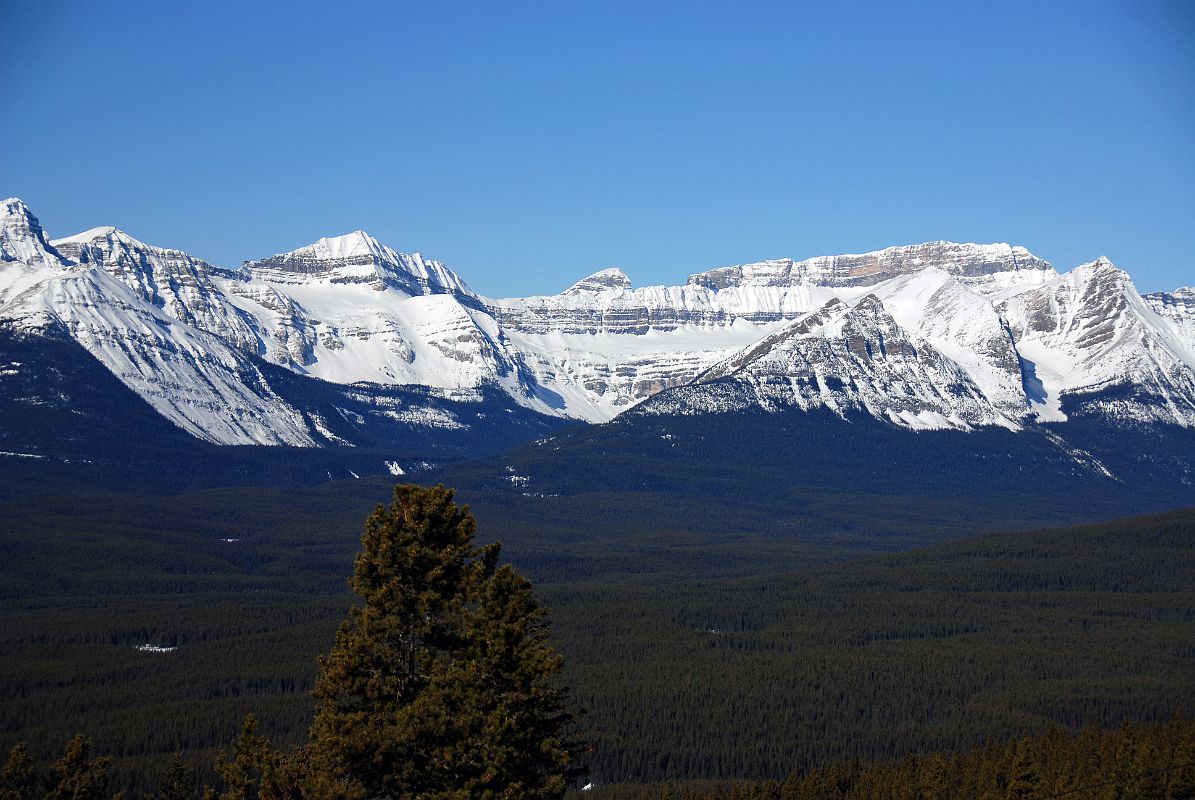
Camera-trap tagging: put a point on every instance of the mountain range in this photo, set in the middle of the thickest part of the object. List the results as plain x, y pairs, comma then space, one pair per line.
347, 342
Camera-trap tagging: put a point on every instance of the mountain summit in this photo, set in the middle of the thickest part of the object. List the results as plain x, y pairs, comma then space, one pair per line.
936, 335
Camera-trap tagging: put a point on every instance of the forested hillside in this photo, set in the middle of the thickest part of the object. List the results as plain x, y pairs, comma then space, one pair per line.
1133, 761
680, 670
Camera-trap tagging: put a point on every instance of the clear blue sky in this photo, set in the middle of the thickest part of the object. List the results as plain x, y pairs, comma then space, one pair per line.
529, 144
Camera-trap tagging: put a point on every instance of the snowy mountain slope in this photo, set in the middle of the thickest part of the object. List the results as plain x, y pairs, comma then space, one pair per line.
599, 375
1179, 308
847, 360
964, 327
359, 258
195, 379
163, 323
1087, 334
27, 261
932, 335
348, 309
171, 280
575, 341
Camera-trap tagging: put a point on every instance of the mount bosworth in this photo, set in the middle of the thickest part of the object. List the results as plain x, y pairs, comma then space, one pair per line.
347, 342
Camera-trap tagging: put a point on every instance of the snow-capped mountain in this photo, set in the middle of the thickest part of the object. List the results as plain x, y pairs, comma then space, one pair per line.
1096, 345
1178, 307
847, 360
937, 335
196, 342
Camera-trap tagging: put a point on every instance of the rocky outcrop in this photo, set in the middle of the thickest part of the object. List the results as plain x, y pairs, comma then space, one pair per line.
923, 336
846, 360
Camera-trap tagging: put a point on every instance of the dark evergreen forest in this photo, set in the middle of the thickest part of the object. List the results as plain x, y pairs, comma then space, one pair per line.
699, 644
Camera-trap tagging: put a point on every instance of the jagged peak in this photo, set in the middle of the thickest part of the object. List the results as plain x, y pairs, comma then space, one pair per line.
1101, 270
111, 246
358, 257
610, 278
15, 205
1103, 263
17, 215
22, 237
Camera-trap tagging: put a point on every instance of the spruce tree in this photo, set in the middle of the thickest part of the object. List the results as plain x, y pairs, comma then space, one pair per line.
18, 778
510, 716
178, 783
253, 770
77, 776
438, 684
1024, 779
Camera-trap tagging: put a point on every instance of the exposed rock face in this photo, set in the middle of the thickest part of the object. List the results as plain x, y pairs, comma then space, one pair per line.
1096, 346
933, 335
171, 280
760, 293
1178, 307
848, 360
359, 258
22, 240
967, 261
612, 278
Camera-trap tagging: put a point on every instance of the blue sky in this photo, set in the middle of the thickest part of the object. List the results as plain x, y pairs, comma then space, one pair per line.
529, 144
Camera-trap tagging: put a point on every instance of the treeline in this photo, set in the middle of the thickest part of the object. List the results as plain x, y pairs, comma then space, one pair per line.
1150, 761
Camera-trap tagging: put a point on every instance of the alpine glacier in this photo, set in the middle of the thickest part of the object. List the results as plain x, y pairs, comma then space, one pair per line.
936, 335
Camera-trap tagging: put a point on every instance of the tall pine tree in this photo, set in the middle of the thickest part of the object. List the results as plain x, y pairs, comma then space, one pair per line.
439, 684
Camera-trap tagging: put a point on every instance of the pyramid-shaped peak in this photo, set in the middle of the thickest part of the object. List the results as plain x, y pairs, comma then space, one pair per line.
103, 235
611, 278
102, 232
350, 245
1102, 271
356, 249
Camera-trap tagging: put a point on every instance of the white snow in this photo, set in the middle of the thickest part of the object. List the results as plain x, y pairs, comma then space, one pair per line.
995, 335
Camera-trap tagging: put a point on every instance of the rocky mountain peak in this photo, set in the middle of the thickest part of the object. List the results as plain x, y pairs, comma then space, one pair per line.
932, 335
22, 238
118, 251
612, 278
358, 258
870, 304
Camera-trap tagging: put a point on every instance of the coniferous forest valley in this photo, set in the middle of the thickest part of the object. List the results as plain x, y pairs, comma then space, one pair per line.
539, 400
